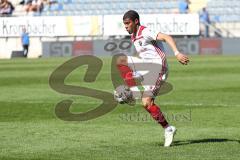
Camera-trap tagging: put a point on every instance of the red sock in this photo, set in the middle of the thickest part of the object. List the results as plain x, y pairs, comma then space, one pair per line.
156, 113
127, 75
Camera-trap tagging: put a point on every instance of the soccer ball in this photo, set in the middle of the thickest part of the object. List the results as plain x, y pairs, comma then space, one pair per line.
123, 94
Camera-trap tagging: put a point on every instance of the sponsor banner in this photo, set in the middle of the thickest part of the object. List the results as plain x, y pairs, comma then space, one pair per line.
210, 46
230, 46
112, 47
57, 49
188, 45
173, 24
51, 26
82, 48
84, 25
184, 45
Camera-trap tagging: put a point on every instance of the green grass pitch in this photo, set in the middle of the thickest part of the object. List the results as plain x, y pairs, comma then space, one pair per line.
204, 105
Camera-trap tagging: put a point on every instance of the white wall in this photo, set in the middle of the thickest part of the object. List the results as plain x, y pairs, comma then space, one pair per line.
7, 45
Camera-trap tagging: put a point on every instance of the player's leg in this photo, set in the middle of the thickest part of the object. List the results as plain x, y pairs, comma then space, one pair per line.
27, 47
154, 110
153, 81
25, 50
125, 71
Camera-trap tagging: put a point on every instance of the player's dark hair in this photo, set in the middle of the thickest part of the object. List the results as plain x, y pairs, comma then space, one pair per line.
131, 14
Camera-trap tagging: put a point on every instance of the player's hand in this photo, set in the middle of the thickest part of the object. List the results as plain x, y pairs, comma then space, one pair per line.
182, 58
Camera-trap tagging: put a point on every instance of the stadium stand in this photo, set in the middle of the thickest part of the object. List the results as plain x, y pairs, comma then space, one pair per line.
224, 15
224, 11
103, 7
220, 10
6, 8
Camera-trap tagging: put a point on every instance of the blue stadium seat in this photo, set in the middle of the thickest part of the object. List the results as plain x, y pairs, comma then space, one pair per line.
102, 7
224, 11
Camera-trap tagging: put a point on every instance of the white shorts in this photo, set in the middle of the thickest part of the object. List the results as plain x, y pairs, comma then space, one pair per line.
153, 73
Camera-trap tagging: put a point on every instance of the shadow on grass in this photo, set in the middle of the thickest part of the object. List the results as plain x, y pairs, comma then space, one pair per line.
210, 140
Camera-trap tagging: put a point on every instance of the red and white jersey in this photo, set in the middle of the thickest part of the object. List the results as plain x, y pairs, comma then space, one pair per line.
146, 45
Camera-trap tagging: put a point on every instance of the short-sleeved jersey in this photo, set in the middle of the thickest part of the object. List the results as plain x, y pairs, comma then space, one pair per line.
25, 39
146, 45
149, 52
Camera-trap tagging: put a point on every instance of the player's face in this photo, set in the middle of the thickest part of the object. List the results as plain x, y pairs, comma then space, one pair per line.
130, 25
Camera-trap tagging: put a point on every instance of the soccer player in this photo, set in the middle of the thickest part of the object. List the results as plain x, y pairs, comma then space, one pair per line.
145, 42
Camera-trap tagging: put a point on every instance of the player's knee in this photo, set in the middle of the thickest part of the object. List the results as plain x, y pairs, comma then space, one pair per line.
122, 60
147, 101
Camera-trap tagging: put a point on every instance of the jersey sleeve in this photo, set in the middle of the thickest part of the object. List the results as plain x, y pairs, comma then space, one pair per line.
149, 35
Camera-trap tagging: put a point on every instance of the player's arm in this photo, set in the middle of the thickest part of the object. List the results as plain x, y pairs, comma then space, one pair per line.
182, 58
